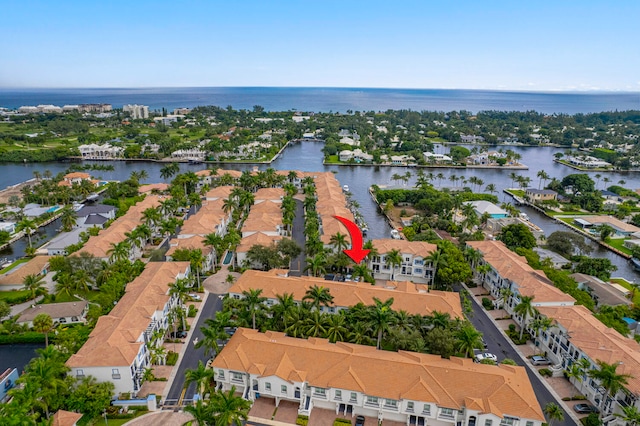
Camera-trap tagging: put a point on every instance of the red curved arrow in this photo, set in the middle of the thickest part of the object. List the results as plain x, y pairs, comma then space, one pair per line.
356, 252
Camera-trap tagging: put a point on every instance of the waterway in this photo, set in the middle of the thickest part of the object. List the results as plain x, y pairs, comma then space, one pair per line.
17, 356
307, 156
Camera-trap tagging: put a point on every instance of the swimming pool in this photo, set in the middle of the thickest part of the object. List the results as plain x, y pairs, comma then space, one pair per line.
227, 258
53, 209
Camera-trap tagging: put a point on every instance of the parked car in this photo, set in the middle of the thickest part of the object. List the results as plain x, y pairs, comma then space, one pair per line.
178, 334
359, 421
486, 355
195, 297
539, 360
585, 408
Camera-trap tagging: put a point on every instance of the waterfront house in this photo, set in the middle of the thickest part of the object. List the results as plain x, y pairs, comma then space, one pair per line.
13, 279
100, 152
60, 313
591, 223
534, 195
430, 157
587, 162
9, 227
556, 260
482, 207
118, 348
414, 266
407, 387
95, 215
58, 245
602, 293
407, 296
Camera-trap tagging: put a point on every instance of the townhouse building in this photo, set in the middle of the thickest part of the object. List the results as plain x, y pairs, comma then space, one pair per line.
119, 347
414, 266
257, 238
210, 218
265, 217
577, 334
407, 387
413, 298
331, 202
508, 270
193, 243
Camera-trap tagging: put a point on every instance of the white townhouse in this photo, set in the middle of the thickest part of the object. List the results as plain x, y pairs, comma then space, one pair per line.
347, 379
119, 347
508, 270
412, 298
414, 266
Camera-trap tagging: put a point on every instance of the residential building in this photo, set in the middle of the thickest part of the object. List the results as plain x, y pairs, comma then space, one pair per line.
591, 223
60, 313
193, 243
495, 226
76, 178
414, 266
99, 108
58, 245
407, 387
587, 162
219, 192
136, 111
189, 154
481, 207
95, 215
511, 271
153, 188
602, 293
13, 279
118, 348
210, 218
257, 238
357, 155
265, 217
430, 157
100, 152
65, 418
535, 195
416, 299
556, 260
577, 334
275, 195
9, 227
331, 202
7, 381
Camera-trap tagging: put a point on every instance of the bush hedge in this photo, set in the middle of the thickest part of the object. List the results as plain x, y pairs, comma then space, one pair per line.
302, 420
26, 337
487, 303
172, 358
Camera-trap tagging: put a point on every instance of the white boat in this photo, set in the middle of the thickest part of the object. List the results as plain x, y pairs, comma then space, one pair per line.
345, 188
395, 234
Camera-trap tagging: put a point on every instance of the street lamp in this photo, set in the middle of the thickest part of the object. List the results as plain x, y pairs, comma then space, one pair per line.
104, 414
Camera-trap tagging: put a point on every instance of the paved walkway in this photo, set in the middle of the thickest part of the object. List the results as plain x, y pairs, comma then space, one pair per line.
164, 418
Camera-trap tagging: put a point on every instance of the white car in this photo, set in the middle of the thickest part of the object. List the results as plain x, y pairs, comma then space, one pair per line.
195, 297
486, 355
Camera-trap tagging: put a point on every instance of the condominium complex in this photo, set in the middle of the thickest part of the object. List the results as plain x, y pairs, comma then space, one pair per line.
136, 111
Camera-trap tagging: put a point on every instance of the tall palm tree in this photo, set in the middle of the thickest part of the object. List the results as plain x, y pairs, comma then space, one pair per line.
315, 324
437, 259
28, 226
316, 264
285, 304
43, 323
630, 415
578, 371
336, 328
201, 376
201, 413
68, 219
231, 410
610, 380
525, 309
393, 259
253, 302
339, 241
381, 317
491, 188
544, 176
468, 339
119, 251
318, 295
213, 331
553, 412
33, 283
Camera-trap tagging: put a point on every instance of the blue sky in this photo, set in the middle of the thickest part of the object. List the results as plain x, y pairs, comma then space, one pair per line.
468, 44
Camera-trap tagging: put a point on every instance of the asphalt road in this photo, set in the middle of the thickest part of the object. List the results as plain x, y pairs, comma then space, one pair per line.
297, 233
497, 344
192, 355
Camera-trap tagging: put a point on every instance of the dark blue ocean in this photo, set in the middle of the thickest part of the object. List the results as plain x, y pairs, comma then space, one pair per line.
330, 99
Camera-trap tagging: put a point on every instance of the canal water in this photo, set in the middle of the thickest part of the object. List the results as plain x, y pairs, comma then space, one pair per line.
307, 156
17, 356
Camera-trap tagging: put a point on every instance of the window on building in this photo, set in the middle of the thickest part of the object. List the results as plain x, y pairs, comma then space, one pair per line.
236, 377
115, 373
353, 397
372, 400
79, 372
488, 422
283, 389
426, 409
508, 421
446, 412
322, 392
267, 386
417, 270
339, 395
221, 374
529, 423
391, 403
410, 406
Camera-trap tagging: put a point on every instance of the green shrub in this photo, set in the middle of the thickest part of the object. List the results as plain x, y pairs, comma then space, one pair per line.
172, 358
302, 420
487, 303
192, 311
545, 372
591, 420
26, 337
512, 328
339, 422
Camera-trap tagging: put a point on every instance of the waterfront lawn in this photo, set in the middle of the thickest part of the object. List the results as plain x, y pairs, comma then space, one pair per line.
516, 192
332, 159
13, 297
618, 243
14, 264
626, 284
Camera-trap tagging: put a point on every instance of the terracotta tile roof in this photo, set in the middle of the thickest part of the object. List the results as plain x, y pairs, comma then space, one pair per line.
597, 340
17, 274
529, 282
452, 383
264, 216
205, 220
406, 295
54, 310
258, 238
219, 192
77, 175
161, 187
233, 173
65, 418
115, 340
191, 243
269, 194
415, 248
99, 245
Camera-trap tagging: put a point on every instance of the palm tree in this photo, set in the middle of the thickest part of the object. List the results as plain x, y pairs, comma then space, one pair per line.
468, 339
553, 412
579, 370
64, 284
180, 288
68, 219
28, 226
393, 259
33, 283
201, 376
43, 323
316, 264
491, 188
610, 380
253, 302
119, 251
437, 259
201, 413
285, 304
543, 177
336, 330
169, 170
381, 317
213, 331
540, 323
525, 309
231, 410
339, 241
630, 415
315, 324
318, 295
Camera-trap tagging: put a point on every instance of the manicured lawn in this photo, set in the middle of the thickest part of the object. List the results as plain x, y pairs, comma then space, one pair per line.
332, 159
618, 244
626, 284
14, 264
517, 192
6, 295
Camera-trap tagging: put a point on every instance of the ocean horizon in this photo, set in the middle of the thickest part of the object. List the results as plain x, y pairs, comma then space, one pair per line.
330, 99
